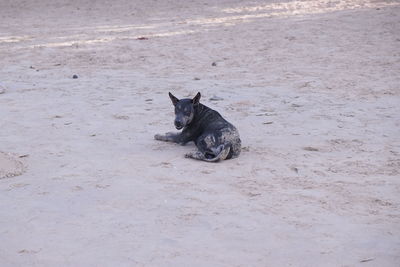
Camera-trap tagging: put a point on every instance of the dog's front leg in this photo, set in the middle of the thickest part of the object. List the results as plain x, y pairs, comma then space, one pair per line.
169, 137
181, 138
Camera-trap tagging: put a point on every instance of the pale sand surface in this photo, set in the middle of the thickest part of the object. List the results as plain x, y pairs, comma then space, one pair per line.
312, 86
10, 166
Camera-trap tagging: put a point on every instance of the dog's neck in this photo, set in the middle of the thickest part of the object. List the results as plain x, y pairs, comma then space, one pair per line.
199, 109
200, 112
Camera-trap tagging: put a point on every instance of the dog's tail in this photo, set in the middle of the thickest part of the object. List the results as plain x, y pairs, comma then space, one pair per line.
222, 153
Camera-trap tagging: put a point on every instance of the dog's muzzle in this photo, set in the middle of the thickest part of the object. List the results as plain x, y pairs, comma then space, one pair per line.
178, 125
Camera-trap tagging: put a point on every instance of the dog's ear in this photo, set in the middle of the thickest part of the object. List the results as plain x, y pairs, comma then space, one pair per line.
173, 99
196, 99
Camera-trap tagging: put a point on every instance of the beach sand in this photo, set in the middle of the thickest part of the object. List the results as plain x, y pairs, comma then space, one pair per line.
312, 86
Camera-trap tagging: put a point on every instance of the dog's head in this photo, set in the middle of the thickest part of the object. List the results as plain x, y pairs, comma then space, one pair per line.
184, 110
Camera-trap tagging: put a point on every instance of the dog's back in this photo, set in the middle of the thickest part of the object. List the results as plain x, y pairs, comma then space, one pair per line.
215, 131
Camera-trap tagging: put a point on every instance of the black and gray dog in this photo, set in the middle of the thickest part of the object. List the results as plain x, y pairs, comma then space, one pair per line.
215, 138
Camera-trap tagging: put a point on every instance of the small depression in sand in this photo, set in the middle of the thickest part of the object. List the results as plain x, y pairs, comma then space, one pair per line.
10, 166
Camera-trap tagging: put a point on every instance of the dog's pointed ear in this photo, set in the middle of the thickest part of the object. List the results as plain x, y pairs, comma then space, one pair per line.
196, 99
173, 99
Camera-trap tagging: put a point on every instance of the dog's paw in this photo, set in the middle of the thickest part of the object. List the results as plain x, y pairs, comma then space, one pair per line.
159, 137
189, 155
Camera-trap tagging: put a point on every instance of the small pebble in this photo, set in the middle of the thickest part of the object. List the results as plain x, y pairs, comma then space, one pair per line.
214, 64
75, 76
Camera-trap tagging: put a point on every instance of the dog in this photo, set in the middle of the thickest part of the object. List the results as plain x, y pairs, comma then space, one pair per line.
216, 139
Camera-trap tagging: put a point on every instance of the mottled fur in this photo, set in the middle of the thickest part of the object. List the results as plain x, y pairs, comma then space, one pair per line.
215, 138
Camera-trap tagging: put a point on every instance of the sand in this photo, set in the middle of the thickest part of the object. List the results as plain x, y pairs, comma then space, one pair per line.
312, 86
10, 166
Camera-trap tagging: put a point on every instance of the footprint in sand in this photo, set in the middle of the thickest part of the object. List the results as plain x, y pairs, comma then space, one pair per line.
121, 117
77, 188
10, 166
